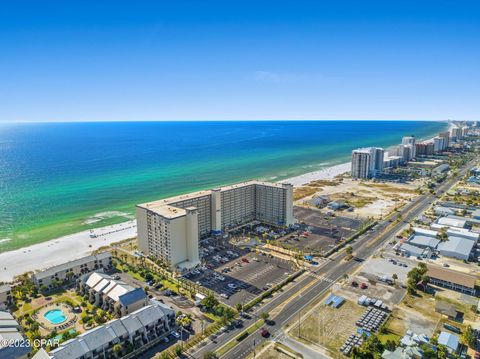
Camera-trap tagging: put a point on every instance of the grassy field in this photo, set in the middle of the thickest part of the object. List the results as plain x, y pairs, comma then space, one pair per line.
329, 327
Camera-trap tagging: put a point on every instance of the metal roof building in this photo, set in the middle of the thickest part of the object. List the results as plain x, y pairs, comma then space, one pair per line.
410, 250
456, 247
424, 241
452, 222
449, 340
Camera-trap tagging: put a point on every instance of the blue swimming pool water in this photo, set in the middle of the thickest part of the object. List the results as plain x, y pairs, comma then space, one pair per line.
55, 316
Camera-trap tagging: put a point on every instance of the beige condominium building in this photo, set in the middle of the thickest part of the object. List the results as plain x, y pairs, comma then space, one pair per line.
169, 229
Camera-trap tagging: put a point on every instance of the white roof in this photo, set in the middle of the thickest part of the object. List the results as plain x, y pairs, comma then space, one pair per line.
458, 245
425, 232
452, 222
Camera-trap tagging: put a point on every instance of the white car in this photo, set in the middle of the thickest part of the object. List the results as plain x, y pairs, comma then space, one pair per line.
232, 286
175, 334
224, 296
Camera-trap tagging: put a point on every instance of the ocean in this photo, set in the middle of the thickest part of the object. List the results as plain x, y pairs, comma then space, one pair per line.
62, 178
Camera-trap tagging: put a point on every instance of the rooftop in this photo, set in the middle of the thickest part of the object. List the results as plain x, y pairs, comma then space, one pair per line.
64, 266
425, 241
458, 245
5, 288
452, 222
449, 340
449, 275
97, 337
166, 207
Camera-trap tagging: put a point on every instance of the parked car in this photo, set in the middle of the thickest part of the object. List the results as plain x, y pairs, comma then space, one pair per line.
264, 332
175, 334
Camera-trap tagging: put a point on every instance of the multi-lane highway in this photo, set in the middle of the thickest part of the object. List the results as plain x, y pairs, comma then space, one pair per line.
308, 288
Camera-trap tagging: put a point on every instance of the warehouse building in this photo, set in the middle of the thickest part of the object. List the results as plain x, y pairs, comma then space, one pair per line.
456, 247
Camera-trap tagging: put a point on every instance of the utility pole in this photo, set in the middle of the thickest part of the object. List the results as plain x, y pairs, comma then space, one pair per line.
253, 348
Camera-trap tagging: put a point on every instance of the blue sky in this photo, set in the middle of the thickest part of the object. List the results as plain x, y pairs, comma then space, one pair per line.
243, 60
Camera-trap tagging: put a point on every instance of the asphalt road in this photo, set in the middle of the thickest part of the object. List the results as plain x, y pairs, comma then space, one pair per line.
313, 285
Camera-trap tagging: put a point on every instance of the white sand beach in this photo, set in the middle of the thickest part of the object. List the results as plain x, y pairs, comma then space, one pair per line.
57, 251
327, 173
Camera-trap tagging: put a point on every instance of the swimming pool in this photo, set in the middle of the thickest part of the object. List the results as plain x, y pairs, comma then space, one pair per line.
55, 316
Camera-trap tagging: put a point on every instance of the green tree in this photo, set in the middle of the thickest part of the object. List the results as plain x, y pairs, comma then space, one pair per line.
239, 307
265, 316
178, 350
349, 250
117, 349
210, 302
468, 336
184, 321
210, 355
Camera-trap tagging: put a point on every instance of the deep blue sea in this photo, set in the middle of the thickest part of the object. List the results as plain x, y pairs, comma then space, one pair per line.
60, 178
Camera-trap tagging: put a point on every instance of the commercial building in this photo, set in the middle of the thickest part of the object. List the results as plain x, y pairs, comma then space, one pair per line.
424, 241
452, 222
414, 251
440, 169
70, 271
146, 325
456, 247
451, 279
6, 299
169, 229
111, 295
367, 162
444, 211
10, 332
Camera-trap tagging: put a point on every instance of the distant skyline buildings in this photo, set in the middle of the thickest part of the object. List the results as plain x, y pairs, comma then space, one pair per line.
370, 162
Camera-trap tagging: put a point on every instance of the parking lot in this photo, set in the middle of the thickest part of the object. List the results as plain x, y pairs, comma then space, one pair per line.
238, 275
319, 232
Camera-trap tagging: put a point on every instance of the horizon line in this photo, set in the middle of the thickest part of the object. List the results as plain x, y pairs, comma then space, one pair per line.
213, 120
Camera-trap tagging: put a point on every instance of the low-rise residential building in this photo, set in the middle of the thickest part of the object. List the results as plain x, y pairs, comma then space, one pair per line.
111, 295
137, 329
6, 299
409, 347
10, 332
70, 271
449, 340
451, 279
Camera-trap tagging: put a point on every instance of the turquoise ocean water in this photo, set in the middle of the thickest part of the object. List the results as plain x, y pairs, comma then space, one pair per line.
61, 178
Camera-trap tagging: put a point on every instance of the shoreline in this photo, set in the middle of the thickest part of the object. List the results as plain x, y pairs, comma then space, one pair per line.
56, 251
59, 250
